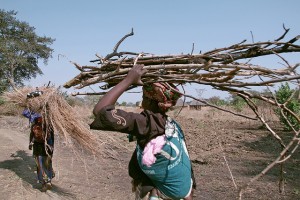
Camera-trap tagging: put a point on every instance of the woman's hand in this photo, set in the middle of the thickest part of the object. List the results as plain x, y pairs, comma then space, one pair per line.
30, 146
110, 98
135, 74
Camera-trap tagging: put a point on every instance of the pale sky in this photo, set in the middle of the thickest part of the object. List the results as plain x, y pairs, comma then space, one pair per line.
84, 28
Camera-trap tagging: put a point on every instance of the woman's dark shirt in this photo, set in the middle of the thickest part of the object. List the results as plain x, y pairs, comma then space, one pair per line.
144, 126
39, 148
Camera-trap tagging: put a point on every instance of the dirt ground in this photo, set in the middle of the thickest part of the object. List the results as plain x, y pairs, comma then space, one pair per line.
216, 140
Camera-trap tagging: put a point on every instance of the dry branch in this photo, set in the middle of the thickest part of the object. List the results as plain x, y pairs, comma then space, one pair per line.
218, 67
222, 68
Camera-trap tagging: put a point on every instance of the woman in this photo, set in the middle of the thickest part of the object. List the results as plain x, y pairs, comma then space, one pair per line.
42, 142
160, 164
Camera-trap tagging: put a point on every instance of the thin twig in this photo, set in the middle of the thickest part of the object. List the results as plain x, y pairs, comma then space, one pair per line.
231, 175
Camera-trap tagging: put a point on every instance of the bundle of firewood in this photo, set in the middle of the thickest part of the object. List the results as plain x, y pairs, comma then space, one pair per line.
218, 68
227, 69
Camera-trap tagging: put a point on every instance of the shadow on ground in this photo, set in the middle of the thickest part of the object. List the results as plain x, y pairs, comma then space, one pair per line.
23, 165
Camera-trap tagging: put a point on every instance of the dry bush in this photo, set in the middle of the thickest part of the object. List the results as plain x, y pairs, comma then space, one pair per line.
10, 109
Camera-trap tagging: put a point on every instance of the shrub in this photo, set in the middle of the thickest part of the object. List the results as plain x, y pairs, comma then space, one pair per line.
238, 103
282, 95
215, 100
1, 100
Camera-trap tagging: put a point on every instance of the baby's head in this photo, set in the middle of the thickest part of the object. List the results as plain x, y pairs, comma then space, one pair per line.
160, 96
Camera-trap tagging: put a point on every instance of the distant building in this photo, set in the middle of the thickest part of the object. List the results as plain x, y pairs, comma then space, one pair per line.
181, 103
196, 105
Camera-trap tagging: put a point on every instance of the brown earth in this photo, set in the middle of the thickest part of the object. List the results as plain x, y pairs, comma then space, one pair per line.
216, 140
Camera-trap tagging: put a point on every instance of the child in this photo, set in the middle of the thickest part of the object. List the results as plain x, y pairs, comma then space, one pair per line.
160, 163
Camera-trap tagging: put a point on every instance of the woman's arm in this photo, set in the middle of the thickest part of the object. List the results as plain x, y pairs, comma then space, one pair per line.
110, 98
30, 139
31, 135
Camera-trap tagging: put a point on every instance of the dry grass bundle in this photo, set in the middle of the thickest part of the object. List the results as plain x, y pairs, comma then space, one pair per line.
59, 114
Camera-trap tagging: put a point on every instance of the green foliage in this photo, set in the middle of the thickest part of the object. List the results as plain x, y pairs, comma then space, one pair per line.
1, 100
3, 82
130, 104
296, 191
282, 95
237, 102
215, 100
20, 51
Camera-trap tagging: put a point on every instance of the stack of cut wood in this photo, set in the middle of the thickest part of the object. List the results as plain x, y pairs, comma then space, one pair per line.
218, 68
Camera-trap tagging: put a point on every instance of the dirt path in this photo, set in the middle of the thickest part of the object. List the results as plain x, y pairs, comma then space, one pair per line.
17, 169
247, 147
78, 176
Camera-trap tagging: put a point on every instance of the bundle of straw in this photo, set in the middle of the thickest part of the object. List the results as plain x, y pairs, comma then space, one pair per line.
57, 114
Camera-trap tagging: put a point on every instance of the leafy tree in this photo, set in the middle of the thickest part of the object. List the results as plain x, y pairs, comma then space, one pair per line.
20, 50
1, 100
130, 104
237, 102
282, 95
216, 100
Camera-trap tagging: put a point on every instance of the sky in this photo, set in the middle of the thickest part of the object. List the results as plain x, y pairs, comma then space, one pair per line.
82, 29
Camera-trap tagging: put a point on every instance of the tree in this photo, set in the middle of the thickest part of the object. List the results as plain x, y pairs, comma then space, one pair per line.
216, 100
237, 102
20, 51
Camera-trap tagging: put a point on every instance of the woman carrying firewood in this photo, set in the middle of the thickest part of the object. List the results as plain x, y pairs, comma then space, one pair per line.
160, 165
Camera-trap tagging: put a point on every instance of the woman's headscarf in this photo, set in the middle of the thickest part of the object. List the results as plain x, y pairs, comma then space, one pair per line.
162, 93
